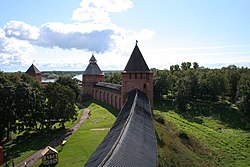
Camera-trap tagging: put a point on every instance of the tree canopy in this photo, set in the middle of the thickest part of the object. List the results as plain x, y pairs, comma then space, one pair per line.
190, 86
25, 103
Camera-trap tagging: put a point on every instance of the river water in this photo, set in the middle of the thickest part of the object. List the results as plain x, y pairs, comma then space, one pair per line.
79, 77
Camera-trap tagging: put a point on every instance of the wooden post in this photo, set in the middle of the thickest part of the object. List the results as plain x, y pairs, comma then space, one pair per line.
1, 155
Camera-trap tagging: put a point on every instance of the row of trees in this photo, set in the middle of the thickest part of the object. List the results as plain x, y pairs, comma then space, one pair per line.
25, 104
188, 86
113, 77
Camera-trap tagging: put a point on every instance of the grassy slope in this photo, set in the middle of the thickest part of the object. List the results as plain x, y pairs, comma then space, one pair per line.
204, 142
83, 143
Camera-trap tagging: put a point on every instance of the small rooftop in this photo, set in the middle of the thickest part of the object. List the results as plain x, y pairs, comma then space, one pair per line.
93, 68
32, 70
47, 150
136, 62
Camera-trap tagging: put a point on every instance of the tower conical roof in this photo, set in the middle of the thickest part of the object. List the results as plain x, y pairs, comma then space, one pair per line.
92, 68
92, 59
32, 70
136, 61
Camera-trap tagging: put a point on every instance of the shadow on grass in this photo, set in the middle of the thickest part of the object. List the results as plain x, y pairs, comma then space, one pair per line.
52, 165
30, 141
164, 106
111, 109
227, 115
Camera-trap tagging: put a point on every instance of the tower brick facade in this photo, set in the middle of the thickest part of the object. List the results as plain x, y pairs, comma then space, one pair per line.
137, 80
137, 75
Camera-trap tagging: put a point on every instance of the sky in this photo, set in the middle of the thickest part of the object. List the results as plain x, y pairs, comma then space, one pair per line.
63, 34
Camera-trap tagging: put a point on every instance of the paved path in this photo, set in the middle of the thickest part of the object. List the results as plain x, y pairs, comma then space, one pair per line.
37, 155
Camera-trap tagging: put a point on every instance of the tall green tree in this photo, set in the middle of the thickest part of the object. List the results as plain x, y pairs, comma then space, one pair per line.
159, 87
189, 65
212, 85
30, 103
70, 83
60, 102
243, 101
195, 65
113, 77
176, 67
183, 93
7, 107
233, 77
184, 66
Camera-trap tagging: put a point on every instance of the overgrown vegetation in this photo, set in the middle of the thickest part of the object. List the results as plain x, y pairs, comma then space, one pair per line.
197, 140
191, 89
202, 115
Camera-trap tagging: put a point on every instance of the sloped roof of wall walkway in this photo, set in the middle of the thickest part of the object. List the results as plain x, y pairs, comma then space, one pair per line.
109, 86
131, 141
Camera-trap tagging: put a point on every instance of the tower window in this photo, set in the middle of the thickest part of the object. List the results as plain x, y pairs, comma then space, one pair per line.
129, 76
135, 76
144, 86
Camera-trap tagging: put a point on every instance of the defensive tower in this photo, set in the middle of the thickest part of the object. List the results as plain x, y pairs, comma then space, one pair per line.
34, 72
91, 76
137, 75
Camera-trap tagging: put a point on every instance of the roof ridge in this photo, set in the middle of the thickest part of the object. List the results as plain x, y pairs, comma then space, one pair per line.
122, 131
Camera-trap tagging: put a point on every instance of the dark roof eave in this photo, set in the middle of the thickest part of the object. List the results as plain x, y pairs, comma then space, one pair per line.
137, 72
93, 74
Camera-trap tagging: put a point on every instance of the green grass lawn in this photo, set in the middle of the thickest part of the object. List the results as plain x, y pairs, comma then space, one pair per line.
25, 144
204, 141
83, 143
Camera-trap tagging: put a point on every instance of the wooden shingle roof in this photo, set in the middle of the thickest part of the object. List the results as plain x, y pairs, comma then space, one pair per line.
136, 62
131, 141
33, 70
93, 68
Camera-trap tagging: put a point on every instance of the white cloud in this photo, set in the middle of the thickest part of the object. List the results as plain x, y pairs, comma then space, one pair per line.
14, 51
66, 37
21, 30
90, 36
93, 31
99, 10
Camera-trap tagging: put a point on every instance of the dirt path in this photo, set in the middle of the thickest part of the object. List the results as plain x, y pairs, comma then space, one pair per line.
37, 155
100, 129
